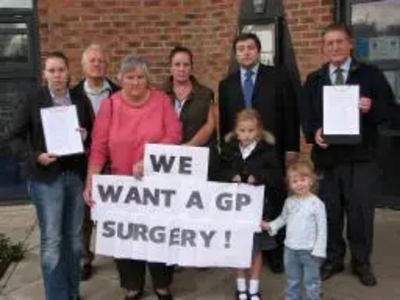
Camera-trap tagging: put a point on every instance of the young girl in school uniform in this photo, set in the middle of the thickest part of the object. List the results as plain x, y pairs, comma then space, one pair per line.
248, 156
305, 244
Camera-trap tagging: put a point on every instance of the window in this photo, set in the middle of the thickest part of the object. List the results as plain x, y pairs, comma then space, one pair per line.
16, 4
376, 29
19, 60
14, 46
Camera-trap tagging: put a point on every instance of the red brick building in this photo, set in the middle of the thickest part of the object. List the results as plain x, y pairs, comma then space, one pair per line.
150, 28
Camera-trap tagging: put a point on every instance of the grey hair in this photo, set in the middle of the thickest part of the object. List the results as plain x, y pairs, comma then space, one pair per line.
93, 47
131, 63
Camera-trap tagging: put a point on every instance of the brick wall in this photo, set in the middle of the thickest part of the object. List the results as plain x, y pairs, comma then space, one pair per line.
306, 20
149, 28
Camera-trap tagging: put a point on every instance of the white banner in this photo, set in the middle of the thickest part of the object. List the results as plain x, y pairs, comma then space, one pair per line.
185, 161
175, 219
176, 222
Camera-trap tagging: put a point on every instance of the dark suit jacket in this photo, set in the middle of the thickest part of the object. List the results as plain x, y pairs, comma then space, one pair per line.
79, 92
26, 138
374, 85
262, 163
273, 97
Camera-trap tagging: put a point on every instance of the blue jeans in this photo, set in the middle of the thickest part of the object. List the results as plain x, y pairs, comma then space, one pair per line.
59, 207
302, 269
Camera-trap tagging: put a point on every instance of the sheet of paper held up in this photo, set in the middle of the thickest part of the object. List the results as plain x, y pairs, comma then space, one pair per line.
341, 113
60, 124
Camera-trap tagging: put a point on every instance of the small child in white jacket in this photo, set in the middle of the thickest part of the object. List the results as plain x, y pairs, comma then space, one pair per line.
305, 244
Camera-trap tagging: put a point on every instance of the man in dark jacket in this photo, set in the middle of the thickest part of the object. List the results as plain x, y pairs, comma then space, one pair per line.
93, 89
266, 89
270, 92
349, 173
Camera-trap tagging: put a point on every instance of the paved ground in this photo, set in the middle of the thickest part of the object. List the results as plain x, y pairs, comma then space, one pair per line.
23, 280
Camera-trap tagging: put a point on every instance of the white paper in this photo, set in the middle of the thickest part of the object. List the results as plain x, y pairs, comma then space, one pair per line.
341, 112
172, 197
174, 242
183, 161
174, 215
224, 208
60, 126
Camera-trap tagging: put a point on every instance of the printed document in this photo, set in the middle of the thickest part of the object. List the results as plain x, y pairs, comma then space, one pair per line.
341, 112
60, 125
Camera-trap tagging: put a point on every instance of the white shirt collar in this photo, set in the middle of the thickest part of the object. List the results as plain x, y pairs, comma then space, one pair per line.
254, 69
65, 100
344, 66
246, 150
105, 87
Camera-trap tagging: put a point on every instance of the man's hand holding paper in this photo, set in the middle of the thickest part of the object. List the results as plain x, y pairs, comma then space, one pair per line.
342, 107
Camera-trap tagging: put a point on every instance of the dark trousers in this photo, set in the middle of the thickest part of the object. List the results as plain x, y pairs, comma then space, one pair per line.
87, 229
351, 189
132, 274
276, 200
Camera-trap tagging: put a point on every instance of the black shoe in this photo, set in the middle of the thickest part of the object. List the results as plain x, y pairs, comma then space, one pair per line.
276, 266
238, 294
137, 296
164, 296
86, 272
274, 259
365, 275
329, 269
254, 296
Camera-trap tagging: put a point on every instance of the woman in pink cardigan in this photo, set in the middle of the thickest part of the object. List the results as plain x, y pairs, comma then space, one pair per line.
129, 119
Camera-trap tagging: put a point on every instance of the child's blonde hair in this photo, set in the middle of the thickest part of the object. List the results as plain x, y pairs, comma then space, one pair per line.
249, 114
302, 168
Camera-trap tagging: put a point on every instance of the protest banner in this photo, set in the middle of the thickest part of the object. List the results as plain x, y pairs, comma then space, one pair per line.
185, 161
177, 221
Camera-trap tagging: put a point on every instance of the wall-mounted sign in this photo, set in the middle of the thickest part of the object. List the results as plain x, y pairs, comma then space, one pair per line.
384, 48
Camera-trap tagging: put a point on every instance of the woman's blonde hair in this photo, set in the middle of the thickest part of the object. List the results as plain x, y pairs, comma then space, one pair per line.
249, 114
302, 168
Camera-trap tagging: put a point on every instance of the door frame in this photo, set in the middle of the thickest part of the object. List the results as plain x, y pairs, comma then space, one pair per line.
17, 194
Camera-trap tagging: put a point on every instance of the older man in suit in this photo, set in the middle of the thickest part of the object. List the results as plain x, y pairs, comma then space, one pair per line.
268, 90
349, 172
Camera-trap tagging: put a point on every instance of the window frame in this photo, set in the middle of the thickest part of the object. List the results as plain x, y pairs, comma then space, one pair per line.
30, 17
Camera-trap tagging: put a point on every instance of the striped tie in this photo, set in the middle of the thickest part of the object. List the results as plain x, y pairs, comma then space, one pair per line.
339, 80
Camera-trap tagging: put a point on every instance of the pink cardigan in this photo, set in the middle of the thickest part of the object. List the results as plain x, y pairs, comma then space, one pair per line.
121, 130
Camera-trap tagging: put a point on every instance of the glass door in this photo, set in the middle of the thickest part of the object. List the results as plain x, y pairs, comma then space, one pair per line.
19, 59
376, 30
